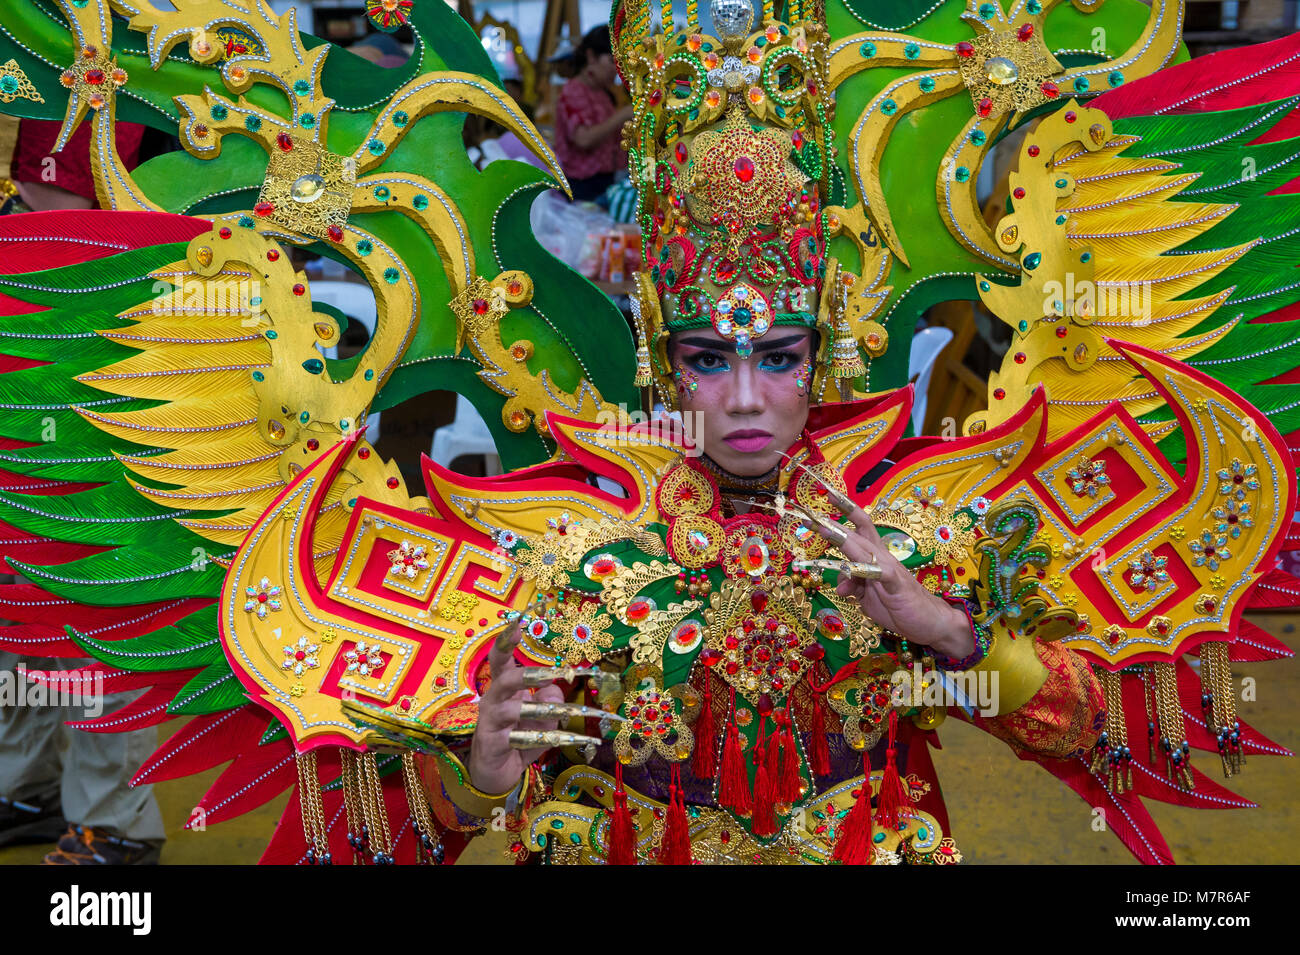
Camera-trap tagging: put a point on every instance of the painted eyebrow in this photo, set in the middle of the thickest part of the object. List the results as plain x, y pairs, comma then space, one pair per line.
761, 346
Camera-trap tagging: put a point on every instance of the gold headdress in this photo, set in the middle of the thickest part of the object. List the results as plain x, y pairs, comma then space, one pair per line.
729, 148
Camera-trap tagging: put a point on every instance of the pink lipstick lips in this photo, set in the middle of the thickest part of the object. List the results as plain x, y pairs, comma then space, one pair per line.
748, 441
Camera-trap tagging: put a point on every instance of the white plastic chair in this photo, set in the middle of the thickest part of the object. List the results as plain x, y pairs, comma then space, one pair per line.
927, 343
355, 301
467, 434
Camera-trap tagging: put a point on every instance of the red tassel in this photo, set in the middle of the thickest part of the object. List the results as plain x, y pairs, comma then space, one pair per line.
676, 846
853, 847
733, 787
892, 798
763, 821
705, 762
622, 840
819, 752
788, 788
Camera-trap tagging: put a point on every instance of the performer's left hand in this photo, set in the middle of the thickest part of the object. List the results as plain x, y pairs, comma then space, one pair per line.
898, 601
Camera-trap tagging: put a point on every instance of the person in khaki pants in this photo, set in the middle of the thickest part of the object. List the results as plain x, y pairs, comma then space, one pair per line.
50, 772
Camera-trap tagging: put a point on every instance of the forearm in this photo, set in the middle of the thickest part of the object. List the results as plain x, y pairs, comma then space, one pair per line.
589, 137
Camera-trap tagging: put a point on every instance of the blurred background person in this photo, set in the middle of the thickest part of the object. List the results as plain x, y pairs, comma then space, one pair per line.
588, 121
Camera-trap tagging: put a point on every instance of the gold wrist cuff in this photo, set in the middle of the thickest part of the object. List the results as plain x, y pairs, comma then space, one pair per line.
1020, 673
455, 780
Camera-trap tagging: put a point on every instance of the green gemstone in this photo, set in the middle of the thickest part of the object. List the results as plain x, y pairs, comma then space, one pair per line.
1061, 184
246, 222
1033, 259
382, 193
780, 110
911, 51
272, 333
1060, 220
1116, 78
707, 47
1081, 83
305, 417
987, 10
401, 118
978, 137
541, 840
1023, 325
255, 301
391, 275
302, 87
376, 147
364, 247
681, 40
252, 122
557, 823
984, 286
313, 366
926, 83
878, 837
352, 503
345, 424
761, 42
867, 49
923, 833
258, 376
9, 84
1086, 257
308, 120
420, 202
889, 107
961, 174
219, 111
370, 374
575, 838
1034, 7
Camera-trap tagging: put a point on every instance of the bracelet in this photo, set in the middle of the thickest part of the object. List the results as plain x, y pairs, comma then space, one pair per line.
463, 793
982, 634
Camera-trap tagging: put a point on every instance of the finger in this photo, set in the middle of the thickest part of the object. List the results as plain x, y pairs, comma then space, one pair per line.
865, 526
506, 684
501, 656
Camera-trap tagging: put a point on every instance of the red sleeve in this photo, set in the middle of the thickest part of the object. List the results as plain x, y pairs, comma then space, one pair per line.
71, 169
1063, 718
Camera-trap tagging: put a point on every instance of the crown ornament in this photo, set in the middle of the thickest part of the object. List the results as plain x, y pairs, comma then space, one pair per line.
730, 148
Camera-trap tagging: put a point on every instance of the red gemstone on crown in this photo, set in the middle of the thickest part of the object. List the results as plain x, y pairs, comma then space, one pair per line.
743, 167
94, 77
284, 141
480, 306
1025, 32
264, 208
985, 106
965, 48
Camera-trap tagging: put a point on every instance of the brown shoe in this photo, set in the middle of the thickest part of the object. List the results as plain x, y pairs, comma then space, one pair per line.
22, 822
83, 845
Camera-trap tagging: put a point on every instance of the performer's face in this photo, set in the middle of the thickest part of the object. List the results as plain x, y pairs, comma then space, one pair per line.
750, 410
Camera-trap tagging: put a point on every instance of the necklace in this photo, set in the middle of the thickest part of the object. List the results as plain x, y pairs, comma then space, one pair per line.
727, 481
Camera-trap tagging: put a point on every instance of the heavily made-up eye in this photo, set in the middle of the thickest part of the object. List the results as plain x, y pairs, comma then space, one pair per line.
708, 362
780, 360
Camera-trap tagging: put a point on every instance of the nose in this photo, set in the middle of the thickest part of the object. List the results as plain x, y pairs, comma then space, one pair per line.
744, 394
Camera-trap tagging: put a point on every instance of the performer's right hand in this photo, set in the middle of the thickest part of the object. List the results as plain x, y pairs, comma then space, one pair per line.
494, 766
